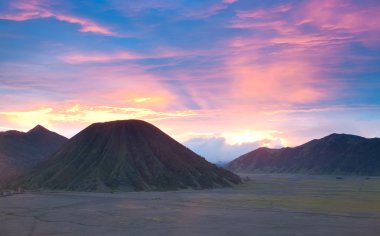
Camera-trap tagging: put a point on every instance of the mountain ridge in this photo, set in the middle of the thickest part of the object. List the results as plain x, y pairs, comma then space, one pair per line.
335, 153
21, 151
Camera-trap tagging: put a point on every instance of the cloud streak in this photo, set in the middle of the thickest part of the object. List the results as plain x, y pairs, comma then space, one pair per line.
23, 10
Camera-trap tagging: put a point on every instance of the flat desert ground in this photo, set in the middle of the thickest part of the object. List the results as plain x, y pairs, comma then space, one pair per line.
267, 204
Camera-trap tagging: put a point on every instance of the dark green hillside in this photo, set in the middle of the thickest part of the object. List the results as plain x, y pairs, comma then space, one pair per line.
126, 155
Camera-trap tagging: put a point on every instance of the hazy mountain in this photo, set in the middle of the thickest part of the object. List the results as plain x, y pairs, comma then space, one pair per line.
20, 151
336, 153
126, 155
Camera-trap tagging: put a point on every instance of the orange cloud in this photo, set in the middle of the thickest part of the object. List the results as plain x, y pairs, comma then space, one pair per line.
79, 115
142, 96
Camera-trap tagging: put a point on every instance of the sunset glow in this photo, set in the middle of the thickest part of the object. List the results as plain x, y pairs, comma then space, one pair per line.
231, 74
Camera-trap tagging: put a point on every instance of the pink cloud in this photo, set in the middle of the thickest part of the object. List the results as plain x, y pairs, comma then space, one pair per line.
293, 72
230, 1
208, 11
23, 16
282, 8
280, 26
34, 9
32, 5
338, 14
252, 14
325, 43
106, 57
203, 10
332, 19
300, 56
362, 21
265, 13
78, 58
277, 82
86, 25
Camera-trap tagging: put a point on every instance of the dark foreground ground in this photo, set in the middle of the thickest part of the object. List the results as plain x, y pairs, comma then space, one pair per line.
265, 205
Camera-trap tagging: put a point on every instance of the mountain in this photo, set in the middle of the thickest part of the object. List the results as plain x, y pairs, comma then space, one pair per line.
334, 154
20, 152
129, 155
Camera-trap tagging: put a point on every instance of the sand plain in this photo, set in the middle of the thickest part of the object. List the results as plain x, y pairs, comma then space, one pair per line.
267, 204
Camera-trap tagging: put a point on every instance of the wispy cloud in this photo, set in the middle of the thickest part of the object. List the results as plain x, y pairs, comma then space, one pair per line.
339, 17
78, 58
128, 55
22, 10
195, 10
208, 10
268, 13
336, 108
230, 1
330, 19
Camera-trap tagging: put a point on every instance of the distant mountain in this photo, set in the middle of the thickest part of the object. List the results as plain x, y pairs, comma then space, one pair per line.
20, 152
130, 155
334, 154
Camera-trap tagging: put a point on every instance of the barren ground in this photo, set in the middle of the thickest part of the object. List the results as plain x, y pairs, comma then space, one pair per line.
265, 205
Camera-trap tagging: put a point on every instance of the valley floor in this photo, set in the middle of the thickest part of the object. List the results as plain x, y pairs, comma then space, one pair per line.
265, 205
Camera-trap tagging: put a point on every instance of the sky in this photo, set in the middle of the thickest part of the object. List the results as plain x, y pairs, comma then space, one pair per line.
221, 76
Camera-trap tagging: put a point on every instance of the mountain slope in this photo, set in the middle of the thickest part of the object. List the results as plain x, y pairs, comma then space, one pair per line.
20, 151
126, 155
336, 153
